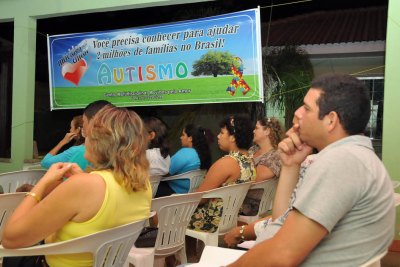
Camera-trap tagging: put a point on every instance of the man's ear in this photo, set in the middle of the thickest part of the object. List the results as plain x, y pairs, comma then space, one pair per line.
332, 120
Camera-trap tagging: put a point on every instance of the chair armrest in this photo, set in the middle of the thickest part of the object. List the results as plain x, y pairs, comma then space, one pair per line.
175, 177
65, 247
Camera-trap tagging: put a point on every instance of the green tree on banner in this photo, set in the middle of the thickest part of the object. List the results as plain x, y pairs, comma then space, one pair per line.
214, 63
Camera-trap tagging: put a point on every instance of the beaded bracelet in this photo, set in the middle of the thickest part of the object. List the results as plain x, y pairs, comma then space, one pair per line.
36, 197
241, 232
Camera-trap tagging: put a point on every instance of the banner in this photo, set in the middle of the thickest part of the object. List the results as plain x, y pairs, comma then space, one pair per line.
211, 60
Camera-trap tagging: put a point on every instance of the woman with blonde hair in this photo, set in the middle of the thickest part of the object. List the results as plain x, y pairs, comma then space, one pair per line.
267, 135
118, 187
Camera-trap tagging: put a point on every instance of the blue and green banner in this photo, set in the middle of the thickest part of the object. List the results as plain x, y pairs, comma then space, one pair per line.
210, 60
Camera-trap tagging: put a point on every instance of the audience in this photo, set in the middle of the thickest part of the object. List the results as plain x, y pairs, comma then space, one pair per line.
75, 133
267, 134
118, 187
342, 213
158, 150
88, 113
195, 154
235, 137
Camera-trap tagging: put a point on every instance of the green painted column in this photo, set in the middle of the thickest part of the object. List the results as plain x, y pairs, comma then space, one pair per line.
391, 115
23, 97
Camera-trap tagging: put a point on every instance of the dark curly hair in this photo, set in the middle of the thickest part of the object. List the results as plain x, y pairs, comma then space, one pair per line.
200, 144
276, 134
241, 127
160, 139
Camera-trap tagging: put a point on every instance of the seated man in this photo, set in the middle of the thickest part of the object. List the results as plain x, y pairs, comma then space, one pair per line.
343, 212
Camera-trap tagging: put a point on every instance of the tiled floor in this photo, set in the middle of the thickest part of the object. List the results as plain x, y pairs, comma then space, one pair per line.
392, 259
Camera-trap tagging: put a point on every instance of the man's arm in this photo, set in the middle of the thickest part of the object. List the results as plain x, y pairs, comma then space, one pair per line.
296, 239
292, 152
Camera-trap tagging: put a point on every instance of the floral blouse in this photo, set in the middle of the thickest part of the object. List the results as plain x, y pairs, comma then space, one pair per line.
272, 161
207, 215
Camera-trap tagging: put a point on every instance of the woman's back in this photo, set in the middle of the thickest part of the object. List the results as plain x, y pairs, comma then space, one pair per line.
136, 206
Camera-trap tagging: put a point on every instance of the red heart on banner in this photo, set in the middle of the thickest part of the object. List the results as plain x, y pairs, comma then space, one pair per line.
74, 72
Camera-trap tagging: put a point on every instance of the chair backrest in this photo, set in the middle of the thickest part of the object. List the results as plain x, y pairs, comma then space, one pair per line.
195, 177
269, 187
154, 181
10, 181
233, 197
174, 213
110, 247
8, 203
375, 261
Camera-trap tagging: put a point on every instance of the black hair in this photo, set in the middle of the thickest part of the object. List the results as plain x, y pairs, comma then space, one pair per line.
160, 141
91, 109
241, 127
348, 97
200, 144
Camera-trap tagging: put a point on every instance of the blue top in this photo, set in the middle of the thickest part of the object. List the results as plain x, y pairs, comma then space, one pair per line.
184, 160
73, 154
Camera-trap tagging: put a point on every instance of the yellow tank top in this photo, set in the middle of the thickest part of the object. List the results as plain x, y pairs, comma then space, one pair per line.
119, 207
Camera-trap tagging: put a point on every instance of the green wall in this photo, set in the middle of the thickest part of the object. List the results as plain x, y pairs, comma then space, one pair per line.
24, 14
391, 114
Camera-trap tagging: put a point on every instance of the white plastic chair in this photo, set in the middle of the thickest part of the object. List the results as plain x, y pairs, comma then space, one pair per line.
232, 197
375, 261
10, 181
109, 247
154, 181
174, 213
196, 177
269, 187
8, 203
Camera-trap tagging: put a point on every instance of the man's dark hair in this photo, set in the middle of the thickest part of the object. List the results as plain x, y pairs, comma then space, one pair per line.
91, 109
348, 97
241, 127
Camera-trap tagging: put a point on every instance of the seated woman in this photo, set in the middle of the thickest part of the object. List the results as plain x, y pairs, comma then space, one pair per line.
267, 135
284, 198
157, 152
235, 137
195, 154
75, 133
118, 187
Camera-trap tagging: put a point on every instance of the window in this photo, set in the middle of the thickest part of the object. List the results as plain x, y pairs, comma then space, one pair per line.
374, 127
6, 73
